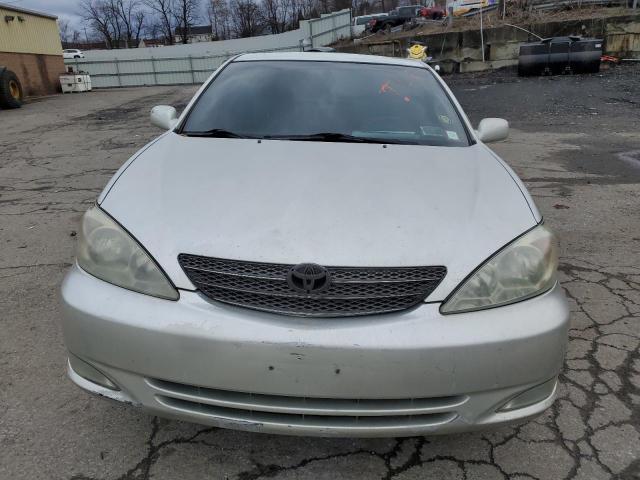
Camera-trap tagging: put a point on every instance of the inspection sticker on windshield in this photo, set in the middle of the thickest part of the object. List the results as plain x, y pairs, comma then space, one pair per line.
452, 135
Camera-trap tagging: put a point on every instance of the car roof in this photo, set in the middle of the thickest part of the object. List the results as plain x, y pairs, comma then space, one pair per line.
328, 57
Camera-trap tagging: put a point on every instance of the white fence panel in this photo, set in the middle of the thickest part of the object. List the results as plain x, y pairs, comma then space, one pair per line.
193, 63
329, 28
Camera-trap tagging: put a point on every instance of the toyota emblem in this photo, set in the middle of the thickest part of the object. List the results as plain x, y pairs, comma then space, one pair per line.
308, 278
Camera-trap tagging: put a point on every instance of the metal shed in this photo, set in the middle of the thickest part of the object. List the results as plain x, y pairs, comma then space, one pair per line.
30, 46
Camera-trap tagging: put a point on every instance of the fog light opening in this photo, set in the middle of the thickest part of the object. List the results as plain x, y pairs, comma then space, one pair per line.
530, 397
90, 373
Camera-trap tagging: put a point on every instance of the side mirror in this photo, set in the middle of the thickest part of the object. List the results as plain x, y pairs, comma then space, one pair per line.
492, 130
164, 116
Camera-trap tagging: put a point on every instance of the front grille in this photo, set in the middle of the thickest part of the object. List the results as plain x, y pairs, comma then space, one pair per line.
307, 412
352, 290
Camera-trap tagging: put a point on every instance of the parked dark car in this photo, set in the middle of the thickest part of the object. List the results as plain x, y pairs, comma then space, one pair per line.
397, 16
560, 55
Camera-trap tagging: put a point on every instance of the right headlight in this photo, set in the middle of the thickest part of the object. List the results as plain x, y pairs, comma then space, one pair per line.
523, 269
107, 251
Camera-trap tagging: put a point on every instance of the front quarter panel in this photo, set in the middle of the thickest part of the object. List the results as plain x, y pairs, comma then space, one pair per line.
123, 168
525, 193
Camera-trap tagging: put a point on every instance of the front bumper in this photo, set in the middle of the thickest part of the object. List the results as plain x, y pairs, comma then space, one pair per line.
409, 373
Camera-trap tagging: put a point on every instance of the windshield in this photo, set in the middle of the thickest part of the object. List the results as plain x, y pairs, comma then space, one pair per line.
330, 101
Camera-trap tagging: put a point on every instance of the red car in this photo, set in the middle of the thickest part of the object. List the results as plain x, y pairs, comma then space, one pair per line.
431, 10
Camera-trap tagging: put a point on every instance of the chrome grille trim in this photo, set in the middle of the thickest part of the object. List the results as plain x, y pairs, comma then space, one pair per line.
309, 413
318, 423
290, 405
353, 290
338, 290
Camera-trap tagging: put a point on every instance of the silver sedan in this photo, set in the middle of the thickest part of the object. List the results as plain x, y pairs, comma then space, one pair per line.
320, 244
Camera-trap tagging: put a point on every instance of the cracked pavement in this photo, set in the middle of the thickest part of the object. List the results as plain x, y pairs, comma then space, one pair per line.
575, 142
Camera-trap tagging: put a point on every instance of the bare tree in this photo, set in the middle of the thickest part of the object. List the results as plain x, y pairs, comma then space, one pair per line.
324, 5
245, 18
153, 29
362, 7
219, 16
101, 19
110, 10
341, 5
116, 21
304, 9
186, 15
165, 11
63, 27
131, 17
277, 14
139, 20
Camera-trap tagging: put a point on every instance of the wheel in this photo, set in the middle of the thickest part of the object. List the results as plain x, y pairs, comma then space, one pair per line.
387, 28
10, 90
76, 56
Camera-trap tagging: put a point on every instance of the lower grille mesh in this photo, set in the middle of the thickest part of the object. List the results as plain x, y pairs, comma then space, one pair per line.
352, 290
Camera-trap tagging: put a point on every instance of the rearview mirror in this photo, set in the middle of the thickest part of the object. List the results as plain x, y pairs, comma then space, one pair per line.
164, 116
492, 130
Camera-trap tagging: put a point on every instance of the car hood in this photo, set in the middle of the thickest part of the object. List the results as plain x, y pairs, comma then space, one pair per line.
335, 204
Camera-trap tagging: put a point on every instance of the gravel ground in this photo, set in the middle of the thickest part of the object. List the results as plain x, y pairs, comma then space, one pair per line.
576, 144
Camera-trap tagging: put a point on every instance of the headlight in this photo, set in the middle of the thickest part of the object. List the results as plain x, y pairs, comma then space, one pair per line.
107, 251
523, 269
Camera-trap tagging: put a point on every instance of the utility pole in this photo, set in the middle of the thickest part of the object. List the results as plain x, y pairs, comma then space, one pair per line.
482, 35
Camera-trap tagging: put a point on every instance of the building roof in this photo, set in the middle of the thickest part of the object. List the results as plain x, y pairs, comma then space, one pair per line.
196, 30
152, 41
13, 8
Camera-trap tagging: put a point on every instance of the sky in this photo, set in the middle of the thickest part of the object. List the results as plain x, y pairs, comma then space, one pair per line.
66, 9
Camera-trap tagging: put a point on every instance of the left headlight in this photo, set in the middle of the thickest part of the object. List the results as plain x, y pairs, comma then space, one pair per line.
523, 269
107, 251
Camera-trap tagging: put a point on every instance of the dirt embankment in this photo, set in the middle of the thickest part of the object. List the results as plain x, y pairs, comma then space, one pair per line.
464, 48
493, 19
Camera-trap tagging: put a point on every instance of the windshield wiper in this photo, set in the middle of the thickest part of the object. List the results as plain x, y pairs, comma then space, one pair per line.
330, 137
215, 133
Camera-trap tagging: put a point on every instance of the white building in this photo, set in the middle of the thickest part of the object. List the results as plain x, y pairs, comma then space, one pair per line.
201, 33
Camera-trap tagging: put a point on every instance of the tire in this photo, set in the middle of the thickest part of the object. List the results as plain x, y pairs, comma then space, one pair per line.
76, 56
10, 90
